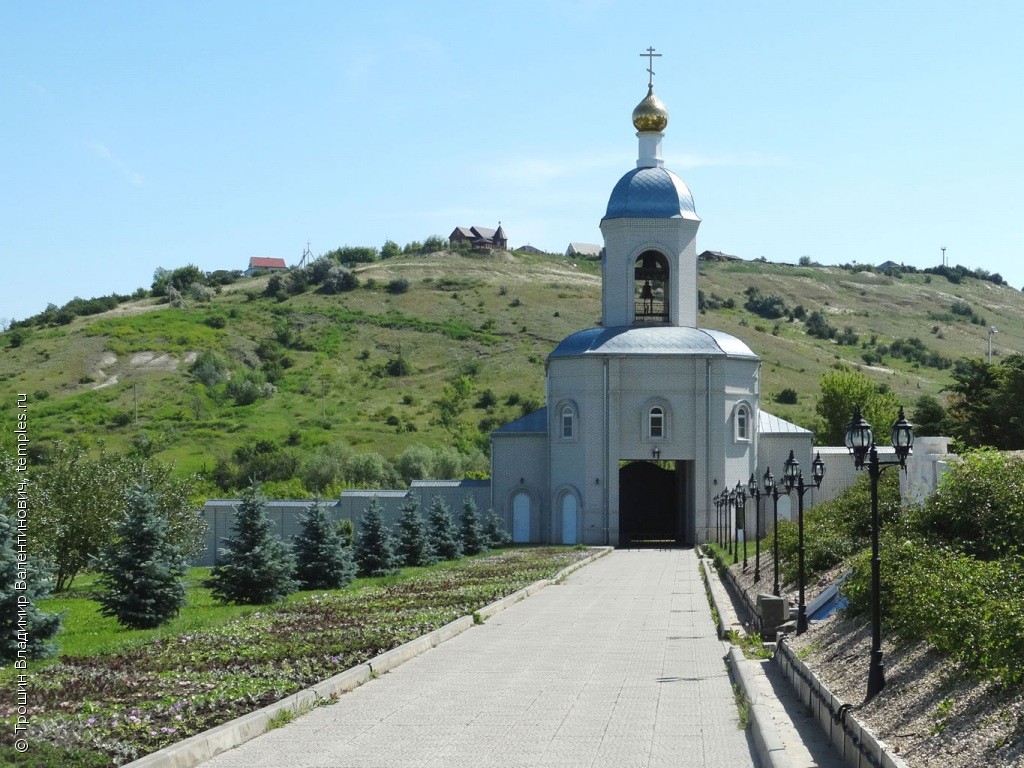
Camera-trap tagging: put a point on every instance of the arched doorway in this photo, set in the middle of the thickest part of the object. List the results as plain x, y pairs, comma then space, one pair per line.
650, 505
521, 518
570, 533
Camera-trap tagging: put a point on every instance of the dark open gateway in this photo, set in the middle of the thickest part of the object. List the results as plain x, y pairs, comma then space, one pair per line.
651, 509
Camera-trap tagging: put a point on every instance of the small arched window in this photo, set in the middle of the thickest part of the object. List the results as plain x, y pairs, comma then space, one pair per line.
568, 423
656, 423
742, 423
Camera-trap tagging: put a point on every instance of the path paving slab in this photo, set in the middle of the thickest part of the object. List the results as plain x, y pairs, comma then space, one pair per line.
618, 665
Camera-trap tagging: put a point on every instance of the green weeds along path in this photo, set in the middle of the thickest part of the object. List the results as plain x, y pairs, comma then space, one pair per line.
109, 708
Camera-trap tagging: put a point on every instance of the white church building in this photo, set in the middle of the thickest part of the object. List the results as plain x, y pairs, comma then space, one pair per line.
647, 416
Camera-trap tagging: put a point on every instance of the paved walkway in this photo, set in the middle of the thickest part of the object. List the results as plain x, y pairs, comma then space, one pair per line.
618, 666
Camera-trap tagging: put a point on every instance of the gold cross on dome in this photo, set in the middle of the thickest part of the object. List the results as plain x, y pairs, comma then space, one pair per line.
651, 56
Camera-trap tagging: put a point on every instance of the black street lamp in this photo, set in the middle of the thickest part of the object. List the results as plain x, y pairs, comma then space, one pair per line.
755, 492
733, 524
771, 489
861, 443
794, 480
717, 501
741, 522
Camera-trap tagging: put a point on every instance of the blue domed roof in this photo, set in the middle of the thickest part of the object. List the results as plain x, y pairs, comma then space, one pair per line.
651, 193
653, 340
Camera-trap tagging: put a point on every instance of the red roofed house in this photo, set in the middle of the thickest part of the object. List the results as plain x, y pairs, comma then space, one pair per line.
259, 264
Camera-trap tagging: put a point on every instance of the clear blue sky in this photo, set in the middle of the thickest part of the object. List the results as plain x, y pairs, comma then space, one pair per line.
145, 135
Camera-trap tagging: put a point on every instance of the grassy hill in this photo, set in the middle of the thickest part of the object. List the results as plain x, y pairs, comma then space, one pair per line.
366, 368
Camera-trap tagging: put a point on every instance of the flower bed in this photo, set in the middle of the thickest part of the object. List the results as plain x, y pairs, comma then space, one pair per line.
126, 704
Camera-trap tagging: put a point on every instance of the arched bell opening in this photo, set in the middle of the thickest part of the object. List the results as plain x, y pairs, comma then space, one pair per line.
650, 288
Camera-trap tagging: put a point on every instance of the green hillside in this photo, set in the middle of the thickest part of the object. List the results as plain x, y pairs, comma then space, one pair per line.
375, 368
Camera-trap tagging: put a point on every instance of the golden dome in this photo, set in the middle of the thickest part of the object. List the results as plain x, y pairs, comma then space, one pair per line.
650, 114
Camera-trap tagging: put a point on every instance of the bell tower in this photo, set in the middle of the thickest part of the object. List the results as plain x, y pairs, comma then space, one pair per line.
650, 233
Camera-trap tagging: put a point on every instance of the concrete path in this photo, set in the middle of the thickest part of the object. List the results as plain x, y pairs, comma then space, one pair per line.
617, 666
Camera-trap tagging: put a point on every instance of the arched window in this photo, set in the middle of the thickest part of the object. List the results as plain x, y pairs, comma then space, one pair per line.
650, 288
656, 423
743, 423
567, 427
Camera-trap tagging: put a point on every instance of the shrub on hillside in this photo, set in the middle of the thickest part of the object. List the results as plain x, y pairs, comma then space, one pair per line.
834, 530
321, 559
766, 305
787, 396
978, 507
817, 325
971, 610
141, 570
255, 566
374, 547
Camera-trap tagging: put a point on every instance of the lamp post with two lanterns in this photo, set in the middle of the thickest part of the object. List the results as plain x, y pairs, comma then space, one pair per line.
861, 443
794, 480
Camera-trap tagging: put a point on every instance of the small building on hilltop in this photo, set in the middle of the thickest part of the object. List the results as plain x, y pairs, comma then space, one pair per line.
480, 237
260, 264
583, 251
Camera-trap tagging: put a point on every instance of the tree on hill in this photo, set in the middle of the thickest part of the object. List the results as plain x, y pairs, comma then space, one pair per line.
444, 539
843, 391
374, 547
985, 403
413, 543
470, 530
141, 570
323, 561
494, 531
22, 585
256, 566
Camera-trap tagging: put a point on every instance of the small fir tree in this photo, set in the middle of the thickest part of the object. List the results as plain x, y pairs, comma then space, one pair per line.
413, 543
472, 533
256, 567
39, 626
444, 539
374, 548
142, 572
494, 531
323, 561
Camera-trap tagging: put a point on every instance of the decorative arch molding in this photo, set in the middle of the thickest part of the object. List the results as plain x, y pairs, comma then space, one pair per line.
649, 420
566, 428
568, 514
743, 422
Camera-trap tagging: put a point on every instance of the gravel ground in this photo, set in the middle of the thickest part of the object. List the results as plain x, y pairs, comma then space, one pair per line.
931, 712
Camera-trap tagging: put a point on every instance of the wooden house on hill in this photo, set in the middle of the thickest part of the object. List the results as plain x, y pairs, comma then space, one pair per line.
480, 237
